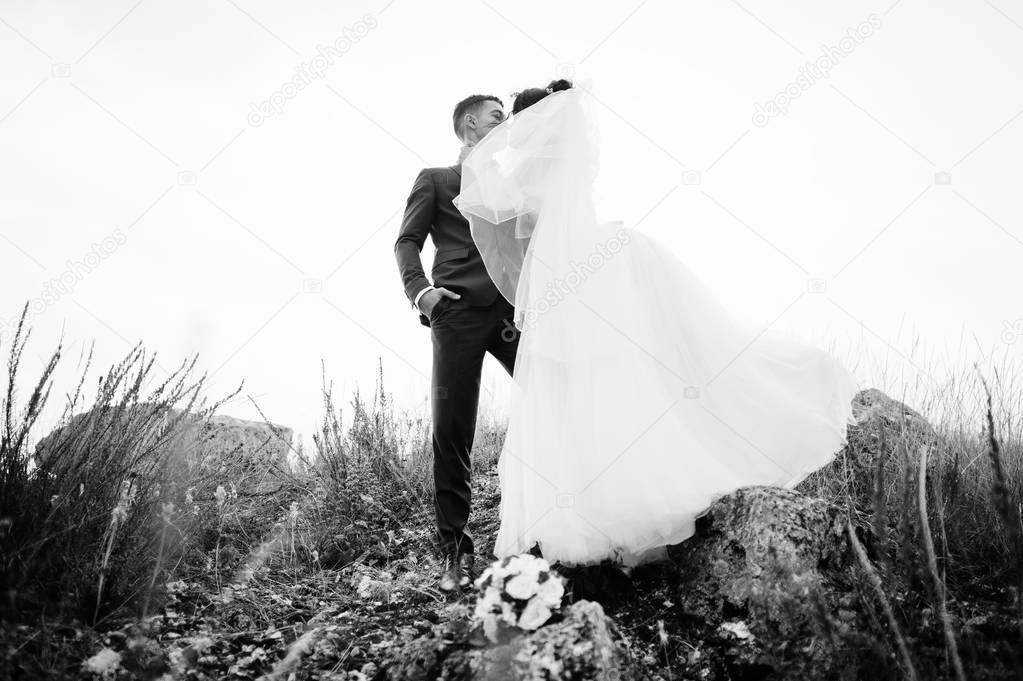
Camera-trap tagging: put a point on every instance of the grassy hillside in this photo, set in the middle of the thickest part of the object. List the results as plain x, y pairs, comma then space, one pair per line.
125, 556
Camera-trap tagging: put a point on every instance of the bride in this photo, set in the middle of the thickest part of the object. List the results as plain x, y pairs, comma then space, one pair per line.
638, 400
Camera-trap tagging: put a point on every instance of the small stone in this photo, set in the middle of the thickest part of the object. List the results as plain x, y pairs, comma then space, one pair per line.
116, 638
738, 629
978, 621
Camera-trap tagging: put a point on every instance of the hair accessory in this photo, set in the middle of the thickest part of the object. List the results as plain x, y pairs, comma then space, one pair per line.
550, 90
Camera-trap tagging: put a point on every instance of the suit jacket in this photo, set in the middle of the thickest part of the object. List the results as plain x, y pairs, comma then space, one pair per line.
457, 264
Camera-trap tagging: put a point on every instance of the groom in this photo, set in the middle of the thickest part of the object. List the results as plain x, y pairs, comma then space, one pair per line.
467, 318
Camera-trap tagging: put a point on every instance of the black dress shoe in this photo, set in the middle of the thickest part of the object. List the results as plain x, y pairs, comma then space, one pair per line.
451, 575
469, 571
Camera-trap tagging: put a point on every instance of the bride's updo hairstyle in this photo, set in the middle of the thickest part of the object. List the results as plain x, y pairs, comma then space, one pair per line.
532, 95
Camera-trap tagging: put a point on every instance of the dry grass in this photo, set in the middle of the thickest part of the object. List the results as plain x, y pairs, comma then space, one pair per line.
101, 516
941, 513
876, 585
80, 511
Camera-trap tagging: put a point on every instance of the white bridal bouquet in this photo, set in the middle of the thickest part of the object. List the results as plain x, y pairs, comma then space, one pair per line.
520, 591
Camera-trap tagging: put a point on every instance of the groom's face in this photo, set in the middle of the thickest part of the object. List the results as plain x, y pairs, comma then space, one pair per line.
489, 116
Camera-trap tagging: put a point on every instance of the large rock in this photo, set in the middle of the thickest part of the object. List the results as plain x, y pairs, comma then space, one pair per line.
882, 423
251, 455
579, 646
881, 419
764, 581
254, 454
873, 409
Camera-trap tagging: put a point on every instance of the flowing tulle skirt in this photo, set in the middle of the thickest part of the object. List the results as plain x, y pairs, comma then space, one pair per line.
638, 401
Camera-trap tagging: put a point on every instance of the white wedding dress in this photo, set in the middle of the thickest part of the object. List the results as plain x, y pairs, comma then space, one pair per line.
638, 400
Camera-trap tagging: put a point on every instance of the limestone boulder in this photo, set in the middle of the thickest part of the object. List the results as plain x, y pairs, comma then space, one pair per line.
250, 455
764, 583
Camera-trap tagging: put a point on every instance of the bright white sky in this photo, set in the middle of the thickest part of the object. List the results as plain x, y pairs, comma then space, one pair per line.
268, 248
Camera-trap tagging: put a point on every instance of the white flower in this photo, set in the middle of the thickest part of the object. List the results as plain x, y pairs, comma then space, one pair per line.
221, 495
521, 586
551, 591
535, 614
490, 599
507, 612
512, 568
531, 560
515, 594
490, 628
532, 569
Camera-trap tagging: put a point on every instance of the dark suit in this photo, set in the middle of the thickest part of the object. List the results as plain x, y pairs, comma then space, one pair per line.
462, 331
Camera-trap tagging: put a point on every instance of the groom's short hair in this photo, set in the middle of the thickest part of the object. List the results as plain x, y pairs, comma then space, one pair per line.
467, 105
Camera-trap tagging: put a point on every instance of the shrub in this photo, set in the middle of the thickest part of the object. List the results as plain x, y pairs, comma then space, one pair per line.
366, 479
87, 521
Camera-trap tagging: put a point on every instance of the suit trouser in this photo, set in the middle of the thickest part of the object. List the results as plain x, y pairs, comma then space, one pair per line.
462, 335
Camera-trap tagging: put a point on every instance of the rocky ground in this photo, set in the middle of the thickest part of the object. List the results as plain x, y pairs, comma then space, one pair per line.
713, 612
768, 588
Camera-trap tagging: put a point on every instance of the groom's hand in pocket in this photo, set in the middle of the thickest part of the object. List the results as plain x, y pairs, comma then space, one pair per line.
432, 297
